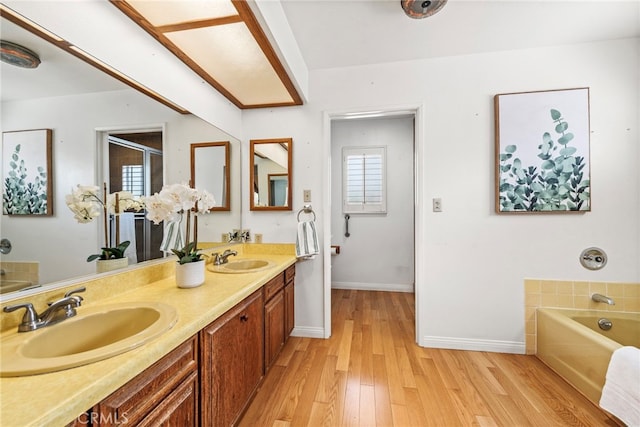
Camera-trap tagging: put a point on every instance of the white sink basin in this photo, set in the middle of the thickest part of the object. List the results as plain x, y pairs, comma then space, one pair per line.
94, 334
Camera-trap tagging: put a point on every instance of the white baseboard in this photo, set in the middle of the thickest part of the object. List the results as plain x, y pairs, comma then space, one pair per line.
307, 332
392, 287
494, 346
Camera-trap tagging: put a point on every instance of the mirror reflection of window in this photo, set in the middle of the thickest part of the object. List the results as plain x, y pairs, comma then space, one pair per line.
133, 179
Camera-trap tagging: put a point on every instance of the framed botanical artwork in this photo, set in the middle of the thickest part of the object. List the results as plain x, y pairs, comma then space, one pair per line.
542, 151
27, 187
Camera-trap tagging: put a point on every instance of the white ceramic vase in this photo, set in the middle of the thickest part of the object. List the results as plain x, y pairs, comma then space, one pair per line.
190, 275
104, 265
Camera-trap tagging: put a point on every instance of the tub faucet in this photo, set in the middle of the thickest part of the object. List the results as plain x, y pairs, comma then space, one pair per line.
602, 298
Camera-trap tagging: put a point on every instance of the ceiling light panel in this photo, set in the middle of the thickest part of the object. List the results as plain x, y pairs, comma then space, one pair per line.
231, 55
160, 13
223, 43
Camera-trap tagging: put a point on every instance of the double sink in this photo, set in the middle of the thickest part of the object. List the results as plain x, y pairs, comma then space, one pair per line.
97, 333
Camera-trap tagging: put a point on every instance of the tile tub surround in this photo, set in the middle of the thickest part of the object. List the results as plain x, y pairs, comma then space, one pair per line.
70, 392
21, 270
576, 295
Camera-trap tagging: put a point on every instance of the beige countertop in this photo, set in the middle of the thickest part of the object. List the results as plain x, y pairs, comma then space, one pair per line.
57, 398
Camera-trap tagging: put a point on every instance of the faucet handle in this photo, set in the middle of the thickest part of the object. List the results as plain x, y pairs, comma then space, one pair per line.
75, 291
30, 318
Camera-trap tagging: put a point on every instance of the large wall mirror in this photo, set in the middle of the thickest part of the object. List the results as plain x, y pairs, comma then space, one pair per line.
78, 110
270, 174
210, 171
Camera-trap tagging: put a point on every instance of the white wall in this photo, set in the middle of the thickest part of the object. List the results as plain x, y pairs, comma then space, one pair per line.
59, 242
378, 254
471, 283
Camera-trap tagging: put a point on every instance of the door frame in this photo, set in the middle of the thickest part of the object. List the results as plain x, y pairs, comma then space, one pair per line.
417, 110
102, 147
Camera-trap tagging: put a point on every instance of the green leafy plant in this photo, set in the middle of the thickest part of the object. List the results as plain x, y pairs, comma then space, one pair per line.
111, 253
188, 254
20, 196
556, 184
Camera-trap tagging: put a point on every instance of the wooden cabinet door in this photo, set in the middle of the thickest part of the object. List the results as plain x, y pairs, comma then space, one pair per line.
232, 362
289, 309
273, 327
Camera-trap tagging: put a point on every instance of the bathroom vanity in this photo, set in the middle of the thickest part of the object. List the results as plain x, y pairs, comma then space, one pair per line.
203, 371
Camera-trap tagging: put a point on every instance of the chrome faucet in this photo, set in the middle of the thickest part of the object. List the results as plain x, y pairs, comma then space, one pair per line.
222, 259
602, 298
57, 311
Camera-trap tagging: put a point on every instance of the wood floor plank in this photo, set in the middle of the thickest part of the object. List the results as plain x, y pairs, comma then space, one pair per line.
384, 416
396, 391
404, 366
376, 337
325, 390
351, 407
417, 416
435, 403
367, 417
306, 386
344, 349
366, 356
400, 415
371, 372
320, 415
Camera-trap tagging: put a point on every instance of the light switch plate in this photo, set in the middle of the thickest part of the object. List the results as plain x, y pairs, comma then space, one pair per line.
307, 196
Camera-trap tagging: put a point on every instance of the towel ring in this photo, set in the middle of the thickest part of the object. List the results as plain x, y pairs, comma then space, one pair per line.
307, 209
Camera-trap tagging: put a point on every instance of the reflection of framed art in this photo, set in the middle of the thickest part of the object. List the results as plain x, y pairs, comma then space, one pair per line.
542, 151
27, 187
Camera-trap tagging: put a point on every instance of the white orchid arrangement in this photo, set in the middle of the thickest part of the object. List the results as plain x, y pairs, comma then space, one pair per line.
171, 204
86, 204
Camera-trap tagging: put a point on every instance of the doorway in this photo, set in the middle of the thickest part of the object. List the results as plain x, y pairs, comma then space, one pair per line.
406, 276
133, 162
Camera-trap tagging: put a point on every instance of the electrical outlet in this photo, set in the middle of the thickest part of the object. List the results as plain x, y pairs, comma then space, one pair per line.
437, 204
307, 196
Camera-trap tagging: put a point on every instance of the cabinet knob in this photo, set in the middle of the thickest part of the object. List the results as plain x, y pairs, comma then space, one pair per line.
244, 318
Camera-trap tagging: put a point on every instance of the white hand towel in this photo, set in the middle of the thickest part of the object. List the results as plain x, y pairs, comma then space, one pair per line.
621, 391
172, 238
307, 240
128, 232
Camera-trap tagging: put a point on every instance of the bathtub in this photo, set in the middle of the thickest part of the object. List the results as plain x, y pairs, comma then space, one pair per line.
571, 343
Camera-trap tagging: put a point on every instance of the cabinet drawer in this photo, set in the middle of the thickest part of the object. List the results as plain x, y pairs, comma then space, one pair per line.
273, 286
141, 395
290, 273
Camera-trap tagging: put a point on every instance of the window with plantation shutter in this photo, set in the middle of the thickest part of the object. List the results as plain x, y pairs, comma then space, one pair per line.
364, 180
133, 179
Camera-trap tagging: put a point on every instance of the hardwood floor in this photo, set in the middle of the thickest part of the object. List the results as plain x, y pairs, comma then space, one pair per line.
371, 373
